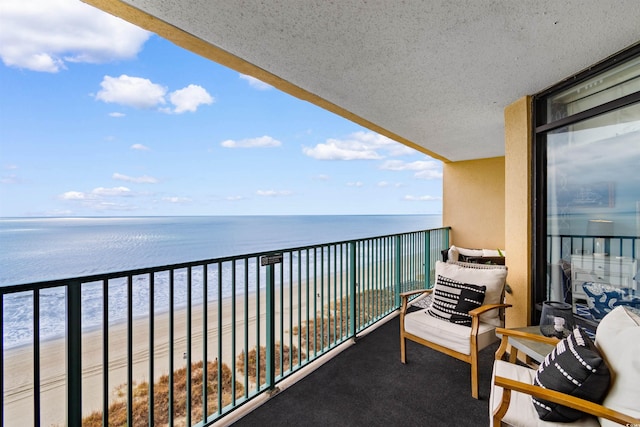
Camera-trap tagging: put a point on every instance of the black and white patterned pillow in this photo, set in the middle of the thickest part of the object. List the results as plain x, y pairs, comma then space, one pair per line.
575, 367
452, 300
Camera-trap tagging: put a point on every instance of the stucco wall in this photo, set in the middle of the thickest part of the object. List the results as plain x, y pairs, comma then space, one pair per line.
518, 215
473, 202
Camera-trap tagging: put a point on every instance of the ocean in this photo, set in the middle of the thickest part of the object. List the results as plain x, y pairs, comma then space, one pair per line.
40, 249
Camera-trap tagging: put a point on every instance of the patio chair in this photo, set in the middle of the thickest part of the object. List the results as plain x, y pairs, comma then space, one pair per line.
578, 384
459, 321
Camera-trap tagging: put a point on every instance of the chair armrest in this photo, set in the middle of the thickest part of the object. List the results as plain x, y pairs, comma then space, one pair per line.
556, 397
533, 337
417, 291
506, 333
405, 298
475, 316
487, 307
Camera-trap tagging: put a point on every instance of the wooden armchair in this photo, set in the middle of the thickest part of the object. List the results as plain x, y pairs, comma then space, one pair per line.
461, 342
618, 338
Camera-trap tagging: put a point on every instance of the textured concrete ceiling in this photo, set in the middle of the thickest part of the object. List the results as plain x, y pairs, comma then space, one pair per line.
435, 75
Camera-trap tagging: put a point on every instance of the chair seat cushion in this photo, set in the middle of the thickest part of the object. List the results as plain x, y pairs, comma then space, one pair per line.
456, 337
521, 411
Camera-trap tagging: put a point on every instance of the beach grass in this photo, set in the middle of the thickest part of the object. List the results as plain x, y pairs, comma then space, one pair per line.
333, 323
118, 408
254, 363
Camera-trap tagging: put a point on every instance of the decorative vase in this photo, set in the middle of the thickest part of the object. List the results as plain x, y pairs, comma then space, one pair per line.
556, 319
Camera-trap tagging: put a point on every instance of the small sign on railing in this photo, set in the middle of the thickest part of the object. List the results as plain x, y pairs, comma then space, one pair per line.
271, 259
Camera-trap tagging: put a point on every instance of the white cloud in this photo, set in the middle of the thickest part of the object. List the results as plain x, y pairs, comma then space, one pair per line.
114, 191
140, 147
10, 179
429, 169
139, 180
422, 198
73, 195
139, 92
262, 141
429, 174
322, 177
273, 193
46, 35
112, 206
234, 198
389, 184
177, 200
131, 91
96, 194
116, 114
355, 184
255, 83
358, 146
190, 98
101, 198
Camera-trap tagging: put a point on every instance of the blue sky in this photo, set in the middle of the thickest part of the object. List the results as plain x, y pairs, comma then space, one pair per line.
100, 118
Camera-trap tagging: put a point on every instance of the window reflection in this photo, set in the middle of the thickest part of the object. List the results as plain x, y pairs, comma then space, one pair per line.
593, 212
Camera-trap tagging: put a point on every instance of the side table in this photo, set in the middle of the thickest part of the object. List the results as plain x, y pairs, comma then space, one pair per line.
528, 340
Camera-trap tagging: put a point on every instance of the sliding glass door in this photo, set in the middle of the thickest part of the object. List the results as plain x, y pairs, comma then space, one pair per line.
587, 150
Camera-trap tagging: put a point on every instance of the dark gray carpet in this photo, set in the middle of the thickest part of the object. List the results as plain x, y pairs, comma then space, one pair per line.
366, 385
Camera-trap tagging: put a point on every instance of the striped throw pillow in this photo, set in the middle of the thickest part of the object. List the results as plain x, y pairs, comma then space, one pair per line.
575, 367
452, 300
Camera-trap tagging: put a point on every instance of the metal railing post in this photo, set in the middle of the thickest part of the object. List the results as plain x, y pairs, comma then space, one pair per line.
130, 350
446, 237
398, 271
427, 259
271, 345
352, 290
269, 261
74, 354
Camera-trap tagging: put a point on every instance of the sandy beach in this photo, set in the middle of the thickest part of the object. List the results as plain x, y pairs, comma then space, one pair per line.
19, 362
290, 317
18, 380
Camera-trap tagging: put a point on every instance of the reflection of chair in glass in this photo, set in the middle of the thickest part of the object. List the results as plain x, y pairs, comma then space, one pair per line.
602, 298
560, 281
451, 336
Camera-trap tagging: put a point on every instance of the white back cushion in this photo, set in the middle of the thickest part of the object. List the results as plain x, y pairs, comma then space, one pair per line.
492, 276
618, 338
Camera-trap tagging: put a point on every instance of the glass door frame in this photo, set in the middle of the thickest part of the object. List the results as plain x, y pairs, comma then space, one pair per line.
541, 127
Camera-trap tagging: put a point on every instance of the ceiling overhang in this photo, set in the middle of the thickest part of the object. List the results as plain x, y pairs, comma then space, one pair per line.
433, 75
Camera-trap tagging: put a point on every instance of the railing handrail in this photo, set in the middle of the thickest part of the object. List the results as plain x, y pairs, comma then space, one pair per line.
587, 236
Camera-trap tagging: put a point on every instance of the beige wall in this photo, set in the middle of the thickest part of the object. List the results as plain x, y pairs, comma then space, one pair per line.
473, 202
487, 203
518, 212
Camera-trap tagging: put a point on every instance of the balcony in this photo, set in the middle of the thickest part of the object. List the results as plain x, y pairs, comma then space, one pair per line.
84, 354
366, 385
